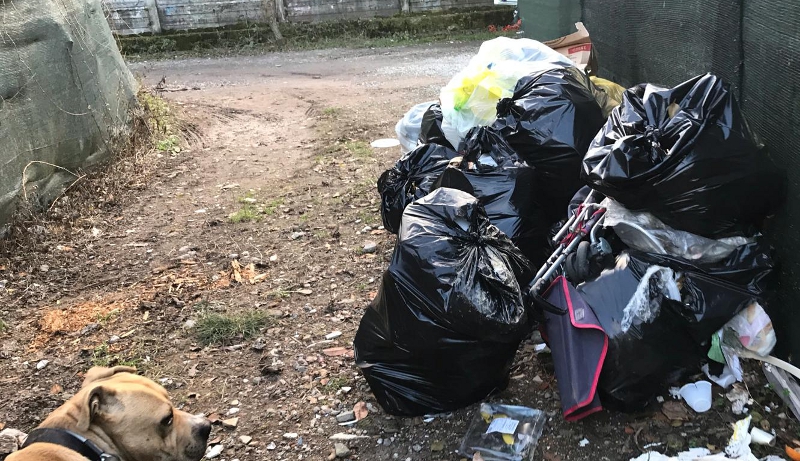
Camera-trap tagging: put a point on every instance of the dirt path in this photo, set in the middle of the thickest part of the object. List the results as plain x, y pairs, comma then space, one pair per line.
281, 141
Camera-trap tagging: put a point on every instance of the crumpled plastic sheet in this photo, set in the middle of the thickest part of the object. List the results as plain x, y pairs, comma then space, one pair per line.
644, 232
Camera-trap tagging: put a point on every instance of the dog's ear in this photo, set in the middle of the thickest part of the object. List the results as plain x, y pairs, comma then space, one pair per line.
99, 401
98, 373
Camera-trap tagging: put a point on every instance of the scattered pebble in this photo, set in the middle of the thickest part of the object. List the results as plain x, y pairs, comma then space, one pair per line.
113, 339
42, 364
333, 335
345, 416
271, 446
341, 450
214, 451
290, 435
583, 443
230, 423
370, 247
417, 448
297, 235
233, 411
245, 439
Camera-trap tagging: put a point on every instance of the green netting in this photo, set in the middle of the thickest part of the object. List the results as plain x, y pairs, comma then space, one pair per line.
755, 45
64, 95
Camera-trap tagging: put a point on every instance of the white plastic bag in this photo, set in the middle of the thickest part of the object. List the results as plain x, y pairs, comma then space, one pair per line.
408, 127
754, 329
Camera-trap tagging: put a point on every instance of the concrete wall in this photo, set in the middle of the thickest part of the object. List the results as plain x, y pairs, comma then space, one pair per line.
128, 17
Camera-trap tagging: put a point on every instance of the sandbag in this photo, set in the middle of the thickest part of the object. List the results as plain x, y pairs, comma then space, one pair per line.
411, 178
431, 127
550, 121
449, 315
660, 312
687, 156
491, 171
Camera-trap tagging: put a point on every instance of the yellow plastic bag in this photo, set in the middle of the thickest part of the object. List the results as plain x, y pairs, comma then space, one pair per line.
471, 97
607, 93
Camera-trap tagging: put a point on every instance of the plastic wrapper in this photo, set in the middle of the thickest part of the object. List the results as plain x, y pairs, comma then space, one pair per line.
431, 129
491, 171
409, 127
656, 334
449, 315
688, 156
550, 121
607, 93
786, 386
503, 433
644, 232
753, 328
470, 98
411, 178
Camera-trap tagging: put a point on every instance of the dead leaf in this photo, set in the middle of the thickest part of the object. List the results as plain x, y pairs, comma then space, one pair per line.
213, 418
360, 410
335, 351
2, 426
629, 430
236, 274
56, 389
676, 411
215, 440
551, 456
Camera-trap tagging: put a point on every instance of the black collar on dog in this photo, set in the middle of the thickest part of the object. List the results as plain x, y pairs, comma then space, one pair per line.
71, 440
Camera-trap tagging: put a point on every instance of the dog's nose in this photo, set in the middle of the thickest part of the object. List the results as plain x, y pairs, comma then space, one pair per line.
203, 430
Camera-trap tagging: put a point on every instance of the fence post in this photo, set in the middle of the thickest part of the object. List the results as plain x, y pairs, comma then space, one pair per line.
271, 13
405, 6
152, 13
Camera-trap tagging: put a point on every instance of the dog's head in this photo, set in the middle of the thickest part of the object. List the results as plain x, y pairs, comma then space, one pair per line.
136, 416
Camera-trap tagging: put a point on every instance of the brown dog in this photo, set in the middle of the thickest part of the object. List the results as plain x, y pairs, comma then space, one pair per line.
126, 417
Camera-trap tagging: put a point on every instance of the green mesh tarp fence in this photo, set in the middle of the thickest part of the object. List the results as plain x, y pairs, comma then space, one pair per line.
755, 45
64, 96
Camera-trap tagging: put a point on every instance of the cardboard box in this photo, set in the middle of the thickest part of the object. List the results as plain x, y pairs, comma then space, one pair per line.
577, 46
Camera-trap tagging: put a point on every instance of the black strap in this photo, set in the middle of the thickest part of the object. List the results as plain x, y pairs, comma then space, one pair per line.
70, 440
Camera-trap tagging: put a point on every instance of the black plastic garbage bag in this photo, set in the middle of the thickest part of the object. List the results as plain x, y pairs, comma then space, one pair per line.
550, 121
688, 156
431, 130
443, 331
411, 178
491, 171
659, 313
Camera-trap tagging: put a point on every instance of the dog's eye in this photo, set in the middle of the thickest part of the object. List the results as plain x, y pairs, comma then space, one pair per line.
167, 421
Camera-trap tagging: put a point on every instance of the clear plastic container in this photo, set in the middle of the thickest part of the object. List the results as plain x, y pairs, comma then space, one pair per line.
503, 433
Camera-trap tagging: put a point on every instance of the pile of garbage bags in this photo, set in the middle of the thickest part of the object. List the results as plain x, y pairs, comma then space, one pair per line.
678, 186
